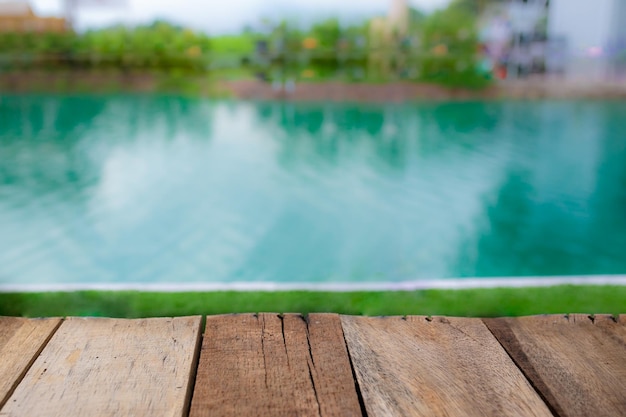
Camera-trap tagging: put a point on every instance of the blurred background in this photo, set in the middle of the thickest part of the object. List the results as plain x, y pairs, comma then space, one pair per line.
376, 142
263, 48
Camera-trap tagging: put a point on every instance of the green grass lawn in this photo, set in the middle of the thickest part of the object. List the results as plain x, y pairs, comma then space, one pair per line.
477, 302
233, 44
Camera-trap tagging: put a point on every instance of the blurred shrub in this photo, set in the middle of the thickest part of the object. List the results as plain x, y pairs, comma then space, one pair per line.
450, 49
159, 46
442, 48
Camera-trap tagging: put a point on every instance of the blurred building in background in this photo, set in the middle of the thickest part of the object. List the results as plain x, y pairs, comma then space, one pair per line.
589, 38
18, 16
578, 39
398, 17
385, 34
514, 34
529, 45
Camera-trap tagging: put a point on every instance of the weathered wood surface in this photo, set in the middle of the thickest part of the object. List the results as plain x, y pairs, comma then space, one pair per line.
110, 367
21, 340
416, 366
284, 365
271, 365
576, 362
616, 326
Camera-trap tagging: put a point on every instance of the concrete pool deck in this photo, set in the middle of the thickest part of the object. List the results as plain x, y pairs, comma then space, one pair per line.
38, 81
402, 91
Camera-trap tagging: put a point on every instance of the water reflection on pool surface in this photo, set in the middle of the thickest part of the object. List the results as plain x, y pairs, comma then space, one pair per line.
122, 189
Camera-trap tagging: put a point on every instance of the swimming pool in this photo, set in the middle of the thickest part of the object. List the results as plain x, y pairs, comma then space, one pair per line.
137, 189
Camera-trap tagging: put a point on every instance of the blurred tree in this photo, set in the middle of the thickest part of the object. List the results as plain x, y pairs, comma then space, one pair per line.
158, 46
324, 58
285, 47
450, 47
416, 19
327, 33
353, 54
475, 7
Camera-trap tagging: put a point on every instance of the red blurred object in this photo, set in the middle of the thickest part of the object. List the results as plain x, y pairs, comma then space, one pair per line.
501, 72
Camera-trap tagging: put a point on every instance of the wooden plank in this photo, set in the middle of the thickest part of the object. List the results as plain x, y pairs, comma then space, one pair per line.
578, 366
419, 366
111, 367
332, 373
271, 365
21, 341
612, 326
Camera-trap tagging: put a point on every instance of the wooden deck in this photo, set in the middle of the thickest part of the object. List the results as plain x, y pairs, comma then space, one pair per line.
321, 365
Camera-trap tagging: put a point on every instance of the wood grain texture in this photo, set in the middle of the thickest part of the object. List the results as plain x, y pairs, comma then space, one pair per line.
21, 341
612, 326
578, 364
111, 367
332, 373
418, 366
271, 365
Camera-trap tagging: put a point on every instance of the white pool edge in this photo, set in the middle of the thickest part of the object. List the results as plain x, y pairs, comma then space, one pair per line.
439, 284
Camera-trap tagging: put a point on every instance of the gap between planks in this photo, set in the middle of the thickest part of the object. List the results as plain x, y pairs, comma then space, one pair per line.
293, 339
21, 342
436, 366
274, 365
575, 362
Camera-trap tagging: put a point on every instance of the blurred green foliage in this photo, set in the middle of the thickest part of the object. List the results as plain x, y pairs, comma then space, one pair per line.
233, 44
475, 7
450, 49
441, 47
159, 46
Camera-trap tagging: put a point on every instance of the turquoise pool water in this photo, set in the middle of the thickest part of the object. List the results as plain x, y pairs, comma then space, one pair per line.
125, 189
